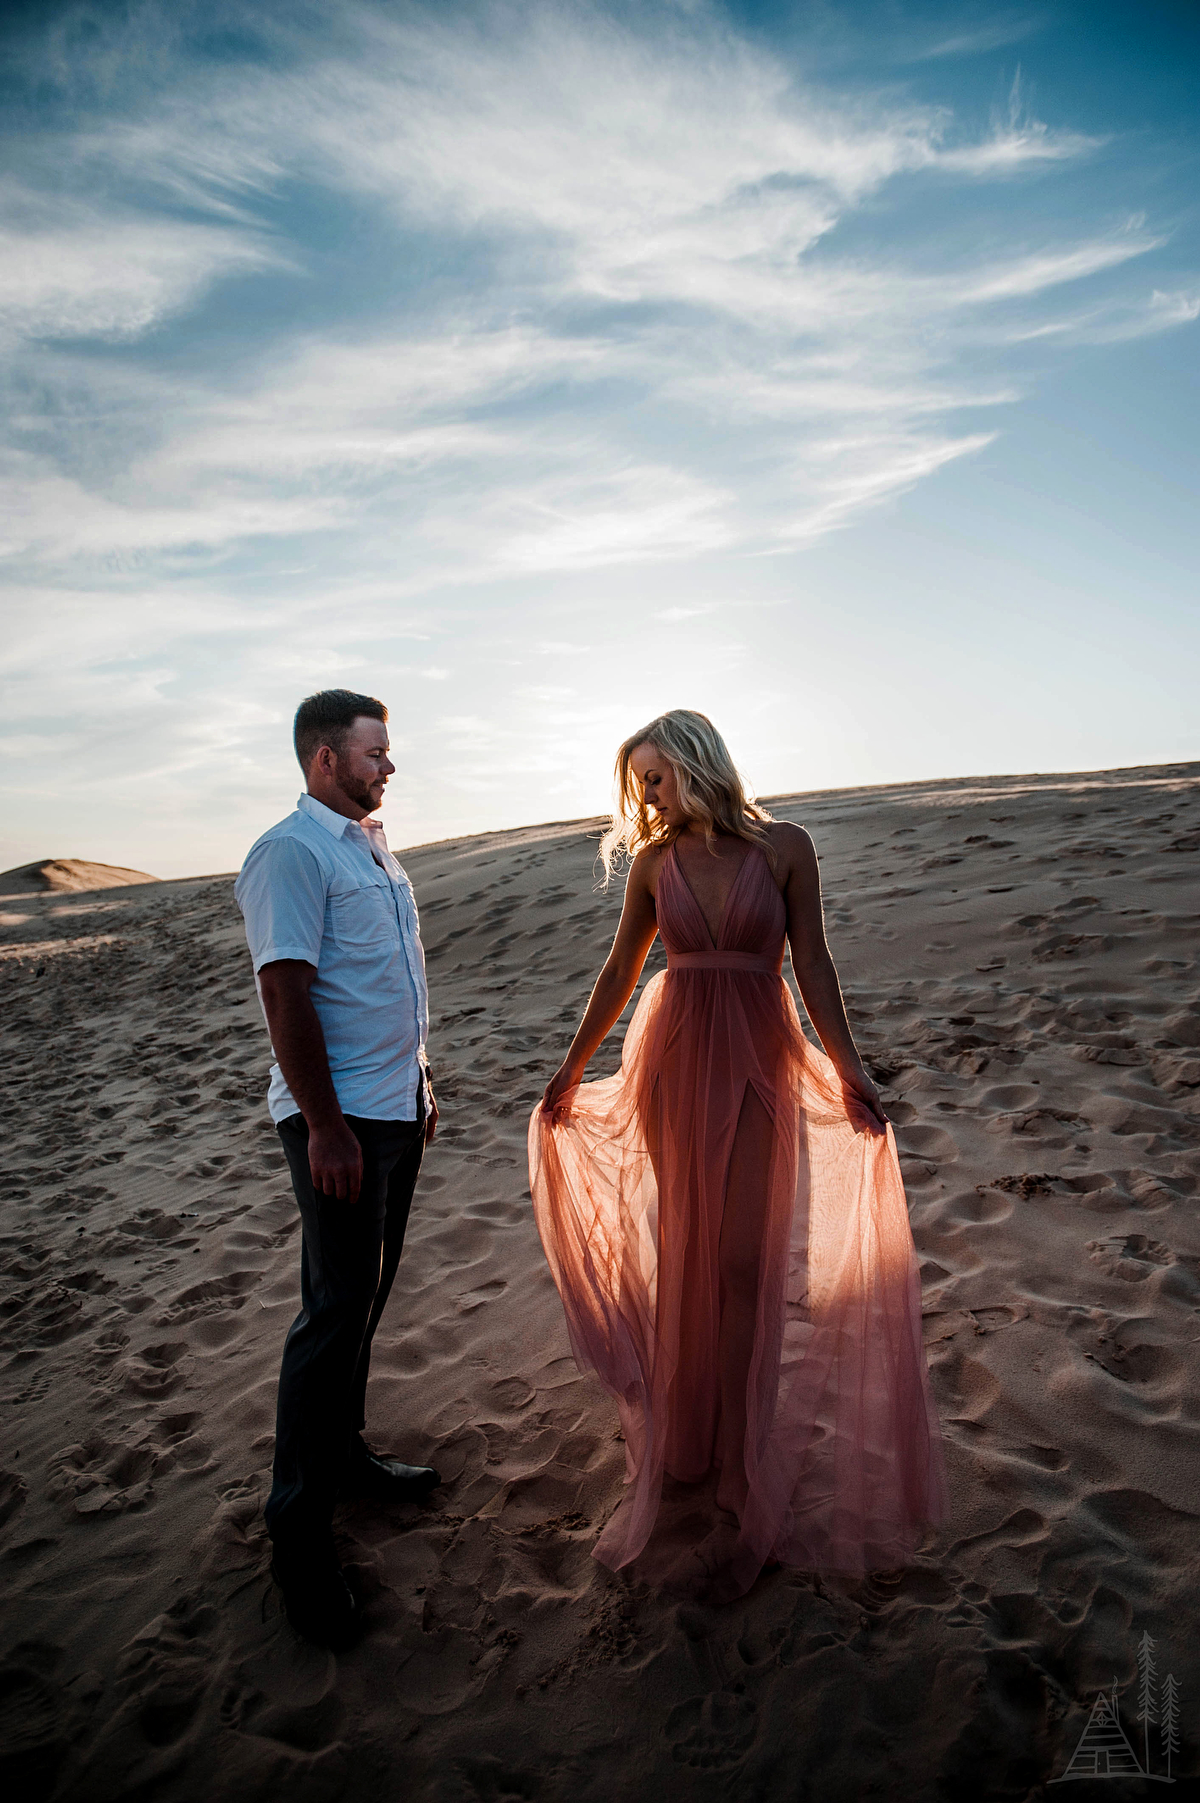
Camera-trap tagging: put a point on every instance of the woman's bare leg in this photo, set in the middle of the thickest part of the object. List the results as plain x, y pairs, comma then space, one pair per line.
742, 1227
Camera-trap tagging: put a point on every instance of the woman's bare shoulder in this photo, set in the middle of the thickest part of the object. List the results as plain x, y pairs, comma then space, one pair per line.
796, 869
789, 839
646, 866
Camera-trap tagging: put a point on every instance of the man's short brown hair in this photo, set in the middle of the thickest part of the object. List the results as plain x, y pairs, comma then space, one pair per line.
325, 719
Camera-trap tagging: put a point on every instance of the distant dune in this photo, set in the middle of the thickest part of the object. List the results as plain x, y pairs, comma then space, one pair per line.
67, 876
1020, 967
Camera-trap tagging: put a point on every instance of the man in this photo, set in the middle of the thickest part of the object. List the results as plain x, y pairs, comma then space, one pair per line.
332, 927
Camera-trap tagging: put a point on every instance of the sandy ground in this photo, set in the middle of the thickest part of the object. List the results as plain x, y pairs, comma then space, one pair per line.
1019, 957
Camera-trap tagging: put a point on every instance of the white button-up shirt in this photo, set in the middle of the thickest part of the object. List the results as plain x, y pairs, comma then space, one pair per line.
327, 890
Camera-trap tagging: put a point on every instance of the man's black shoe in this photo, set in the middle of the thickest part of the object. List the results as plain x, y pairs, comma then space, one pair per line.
319, 1602
385, 1480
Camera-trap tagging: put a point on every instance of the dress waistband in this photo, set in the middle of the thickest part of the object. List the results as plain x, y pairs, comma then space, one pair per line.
748, 961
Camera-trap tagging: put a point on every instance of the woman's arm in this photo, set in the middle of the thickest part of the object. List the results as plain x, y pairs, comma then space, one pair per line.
815, 973
614, 985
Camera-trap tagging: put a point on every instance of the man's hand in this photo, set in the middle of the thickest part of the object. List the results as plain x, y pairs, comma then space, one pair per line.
431, 1119
335, 1160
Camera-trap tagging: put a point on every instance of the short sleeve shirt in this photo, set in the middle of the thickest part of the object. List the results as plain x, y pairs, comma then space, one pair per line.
326, 890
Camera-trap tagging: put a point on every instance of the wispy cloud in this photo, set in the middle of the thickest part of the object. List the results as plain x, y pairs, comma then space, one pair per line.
1017, 140
994, 34
658, 205
1120, 320
68, 270
416, 305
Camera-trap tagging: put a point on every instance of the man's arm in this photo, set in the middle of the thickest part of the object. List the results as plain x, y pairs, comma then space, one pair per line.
334, 1155
281, 892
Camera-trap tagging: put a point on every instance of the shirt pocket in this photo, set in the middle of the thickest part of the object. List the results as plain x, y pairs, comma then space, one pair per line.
362, 918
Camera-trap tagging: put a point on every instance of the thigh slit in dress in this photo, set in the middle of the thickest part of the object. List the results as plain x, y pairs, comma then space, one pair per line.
728, 1233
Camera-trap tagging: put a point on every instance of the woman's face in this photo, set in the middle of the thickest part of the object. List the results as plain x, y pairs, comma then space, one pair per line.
659, 788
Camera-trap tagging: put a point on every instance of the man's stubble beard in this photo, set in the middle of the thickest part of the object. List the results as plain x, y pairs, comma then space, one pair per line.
356, 791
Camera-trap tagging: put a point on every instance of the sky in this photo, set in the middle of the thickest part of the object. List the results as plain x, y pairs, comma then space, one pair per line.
538, 367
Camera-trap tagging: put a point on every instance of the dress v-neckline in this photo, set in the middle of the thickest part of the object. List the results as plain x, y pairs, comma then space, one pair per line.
714, 939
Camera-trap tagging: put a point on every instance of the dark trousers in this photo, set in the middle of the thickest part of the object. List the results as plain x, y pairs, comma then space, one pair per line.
347, 1264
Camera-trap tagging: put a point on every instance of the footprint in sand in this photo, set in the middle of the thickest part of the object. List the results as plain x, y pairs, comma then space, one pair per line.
989, 1320
34, 1717
305, 1726
712, 1732
928, 1142
966, 1388
1025, 1527
90, 1283
103, 1477
155, 1370
212, 1297
1004, 1098
915, 1584
1045, 1458
982, 1207
511, 1394
13, 1493
109, 1344
42, 1315
1052, 1128
1150, 1192
470, 1300
152, 1224
1096, 1190
165, 1674
1157, 1370
1130, 1256
183, 1449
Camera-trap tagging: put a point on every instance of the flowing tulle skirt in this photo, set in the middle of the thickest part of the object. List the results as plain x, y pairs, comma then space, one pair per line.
725, 1158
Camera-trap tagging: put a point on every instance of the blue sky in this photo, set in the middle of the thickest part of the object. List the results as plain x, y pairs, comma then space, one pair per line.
831, 368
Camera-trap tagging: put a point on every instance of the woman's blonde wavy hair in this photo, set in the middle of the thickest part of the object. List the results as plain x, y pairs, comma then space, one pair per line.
710, 790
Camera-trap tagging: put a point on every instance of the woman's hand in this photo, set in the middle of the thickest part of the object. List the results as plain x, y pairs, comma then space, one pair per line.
556, 1102
862, 1089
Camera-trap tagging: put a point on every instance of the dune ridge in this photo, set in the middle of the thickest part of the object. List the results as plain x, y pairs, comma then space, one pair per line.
67, 876
1019, 959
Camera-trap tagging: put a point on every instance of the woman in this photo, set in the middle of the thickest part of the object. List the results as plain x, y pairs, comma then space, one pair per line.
725, 1218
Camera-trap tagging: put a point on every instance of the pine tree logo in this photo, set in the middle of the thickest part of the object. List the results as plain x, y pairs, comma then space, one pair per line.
1104, 1749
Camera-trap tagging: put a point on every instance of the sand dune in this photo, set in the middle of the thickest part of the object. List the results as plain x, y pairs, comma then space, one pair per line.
1019, 956
66, 876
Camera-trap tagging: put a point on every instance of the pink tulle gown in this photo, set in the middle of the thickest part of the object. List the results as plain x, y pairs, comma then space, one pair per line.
731, 1244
